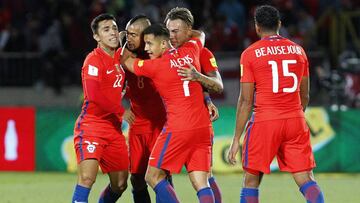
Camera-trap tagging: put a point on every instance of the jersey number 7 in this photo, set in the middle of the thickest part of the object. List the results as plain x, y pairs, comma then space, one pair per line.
275, 75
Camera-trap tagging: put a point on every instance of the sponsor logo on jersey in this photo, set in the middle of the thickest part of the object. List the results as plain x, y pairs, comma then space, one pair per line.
213, 62
140, 63
109, 71
93, 70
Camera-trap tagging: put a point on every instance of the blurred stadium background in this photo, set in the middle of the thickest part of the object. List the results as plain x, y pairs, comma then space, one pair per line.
44, 42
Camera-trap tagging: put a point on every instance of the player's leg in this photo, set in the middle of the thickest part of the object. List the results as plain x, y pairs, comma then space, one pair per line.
260, 145
88, 150
308, 187
114, 162
295, 156
87, 171
156, 178
215, 188
114, 190
168, 156
198, 163
250, 189
140, 192
211, 179
199, 181
139, 154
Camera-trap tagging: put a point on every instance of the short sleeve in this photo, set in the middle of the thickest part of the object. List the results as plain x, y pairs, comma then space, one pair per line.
246, 72
92, 69
207, 61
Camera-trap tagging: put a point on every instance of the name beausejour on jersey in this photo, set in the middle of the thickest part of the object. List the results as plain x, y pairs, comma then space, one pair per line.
278, 50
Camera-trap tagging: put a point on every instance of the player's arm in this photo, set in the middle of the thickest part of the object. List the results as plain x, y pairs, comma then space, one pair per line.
244, 106
200, 35
128, 60
95, 95
213, 110
212, 84
304, 92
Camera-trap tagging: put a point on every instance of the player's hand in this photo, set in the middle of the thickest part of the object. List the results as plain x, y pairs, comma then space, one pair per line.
213, 111
129, 116
125, 54
188, 74
233, 150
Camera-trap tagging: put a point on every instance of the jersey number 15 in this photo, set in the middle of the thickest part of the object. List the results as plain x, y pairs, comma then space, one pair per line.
286, 73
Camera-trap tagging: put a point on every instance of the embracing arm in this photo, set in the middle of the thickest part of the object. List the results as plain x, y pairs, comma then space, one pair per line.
212, 83
94, 94
198, 34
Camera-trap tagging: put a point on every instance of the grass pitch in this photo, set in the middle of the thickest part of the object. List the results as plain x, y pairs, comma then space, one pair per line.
276, 188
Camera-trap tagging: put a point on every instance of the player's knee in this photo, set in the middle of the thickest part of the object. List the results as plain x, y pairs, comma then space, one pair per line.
87, 179
120, 187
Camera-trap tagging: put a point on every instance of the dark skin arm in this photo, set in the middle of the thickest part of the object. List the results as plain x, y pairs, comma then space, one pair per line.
127, 60
244, 106
304, 92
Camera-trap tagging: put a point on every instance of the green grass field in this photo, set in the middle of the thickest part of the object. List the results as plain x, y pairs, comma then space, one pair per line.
276, 188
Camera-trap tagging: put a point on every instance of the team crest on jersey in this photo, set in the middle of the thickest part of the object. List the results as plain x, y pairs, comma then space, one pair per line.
91, 146
140, 63
213, 62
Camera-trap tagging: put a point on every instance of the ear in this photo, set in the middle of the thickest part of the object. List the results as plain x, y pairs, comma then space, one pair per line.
163, 44
96, 37
257, 29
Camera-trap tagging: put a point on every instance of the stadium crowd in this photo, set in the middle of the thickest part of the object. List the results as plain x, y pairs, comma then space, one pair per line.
58, 30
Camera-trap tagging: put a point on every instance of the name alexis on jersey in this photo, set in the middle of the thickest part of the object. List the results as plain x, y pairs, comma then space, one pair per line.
278, 50
180, 62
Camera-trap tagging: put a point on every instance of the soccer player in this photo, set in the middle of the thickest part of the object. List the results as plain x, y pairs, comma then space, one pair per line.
148, 112
186, 137
179, 22
98, 139
275, 71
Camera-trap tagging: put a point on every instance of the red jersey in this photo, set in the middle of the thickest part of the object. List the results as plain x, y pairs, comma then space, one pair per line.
276, 65
184, 100
102, 79
207, 61
145, 102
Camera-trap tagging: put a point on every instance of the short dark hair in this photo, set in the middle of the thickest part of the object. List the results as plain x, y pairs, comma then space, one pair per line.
138, 17
158, 30
267, 17
95, 22
183, 14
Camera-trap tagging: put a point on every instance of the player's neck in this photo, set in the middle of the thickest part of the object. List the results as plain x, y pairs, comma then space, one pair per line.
108, 50
268, 34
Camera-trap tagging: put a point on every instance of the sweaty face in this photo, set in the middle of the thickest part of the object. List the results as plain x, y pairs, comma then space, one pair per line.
179, 32
133, 36
108, 34
153, 46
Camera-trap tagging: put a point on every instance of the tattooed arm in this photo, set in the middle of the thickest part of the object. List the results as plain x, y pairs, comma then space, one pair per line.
212, 83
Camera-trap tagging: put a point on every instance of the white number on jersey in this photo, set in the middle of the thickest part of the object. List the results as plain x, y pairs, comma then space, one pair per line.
186, 88
275, 75
118, 80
